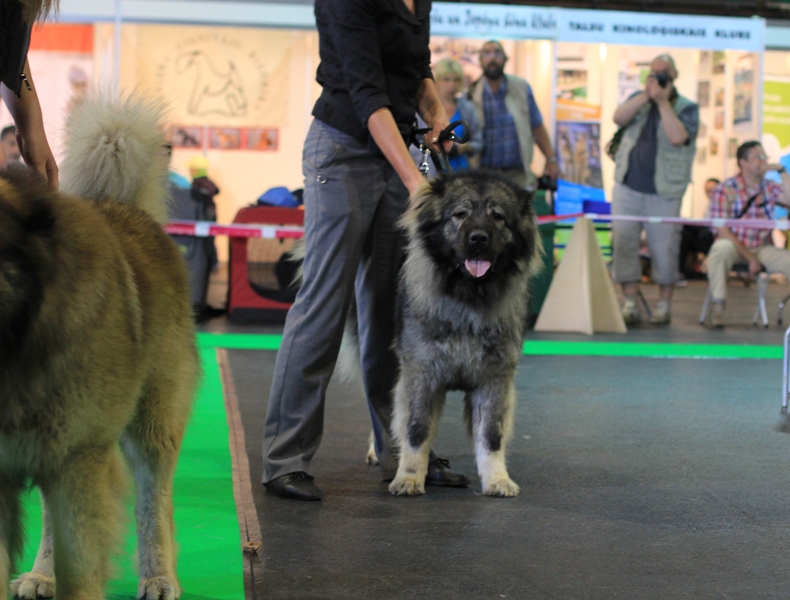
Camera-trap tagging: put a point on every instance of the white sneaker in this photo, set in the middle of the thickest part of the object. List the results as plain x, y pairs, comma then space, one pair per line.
661, 314
631, 313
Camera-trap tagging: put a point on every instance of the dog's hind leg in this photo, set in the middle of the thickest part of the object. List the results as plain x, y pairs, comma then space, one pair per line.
153, 472
40, 582
151, 445
10, 530
85, 502
414, 423
490, 410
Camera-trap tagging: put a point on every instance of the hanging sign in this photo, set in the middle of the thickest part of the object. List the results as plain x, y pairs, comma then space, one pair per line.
597, 26
655, 29
493, 21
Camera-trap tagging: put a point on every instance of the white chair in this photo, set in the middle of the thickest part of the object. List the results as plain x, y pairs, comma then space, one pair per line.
742, 269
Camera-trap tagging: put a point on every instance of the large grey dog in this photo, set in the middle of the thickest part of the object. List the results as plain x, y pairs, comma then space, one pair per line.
462, 304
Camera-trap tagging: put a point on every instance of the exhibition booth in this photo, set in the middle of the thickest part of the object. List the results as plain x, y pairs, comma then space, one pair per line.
239, 78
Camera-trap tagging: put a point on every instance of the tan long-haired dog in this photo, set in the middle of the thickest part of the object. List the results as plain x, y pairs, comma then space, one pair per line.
97, 356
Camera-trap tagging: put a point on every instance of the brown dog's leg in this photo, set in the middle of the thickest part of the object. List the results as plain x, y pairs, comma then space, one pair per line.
10, 531
85, 502
151, 445
40, 582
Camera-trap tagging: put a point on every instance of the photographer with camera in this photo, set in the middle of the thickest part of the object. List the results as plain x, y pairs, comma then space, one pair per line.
653, 157
512, 123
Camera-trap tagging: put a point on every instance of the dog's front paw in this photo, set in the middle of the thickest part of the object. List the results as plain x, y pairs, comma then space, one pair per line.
371, 457
30, 586
158, 588
504, 488
407, 486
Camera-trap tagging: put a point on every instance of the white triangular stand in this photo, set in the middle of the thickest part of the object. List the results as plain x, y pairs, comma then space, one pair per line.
581, 297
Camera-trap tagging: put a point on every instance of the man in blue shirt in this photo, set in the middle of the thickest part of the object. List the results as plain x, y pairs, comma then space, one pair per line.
512, 123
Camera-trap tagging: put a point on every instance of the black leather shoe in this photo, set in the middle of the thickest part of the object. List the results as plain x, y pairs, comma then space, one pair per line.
440, 473
296, 486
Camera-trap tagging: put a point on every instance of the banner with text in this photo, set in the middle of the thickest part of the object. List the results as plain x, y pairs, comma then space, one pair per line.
597, 26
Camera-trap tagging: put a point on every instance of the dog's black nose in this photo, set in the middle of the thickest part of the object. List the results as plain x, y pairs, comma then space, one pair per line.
478, 238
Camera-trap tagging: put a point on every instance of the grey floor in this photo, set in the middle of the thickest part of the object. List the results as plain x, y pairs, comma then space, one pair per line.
641, 478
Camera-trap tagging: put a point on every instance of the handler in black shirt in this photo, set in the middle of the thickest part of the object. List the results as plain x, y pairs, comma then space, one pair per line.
375, 73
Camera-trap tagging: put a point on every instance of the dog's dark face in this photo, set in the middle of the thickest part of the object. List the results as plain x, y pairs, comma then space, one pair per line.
478, 228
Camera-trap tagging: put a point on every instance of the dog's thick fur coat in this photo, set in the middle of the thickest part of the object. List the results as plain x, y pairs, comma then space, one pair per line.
463, 298
97, 356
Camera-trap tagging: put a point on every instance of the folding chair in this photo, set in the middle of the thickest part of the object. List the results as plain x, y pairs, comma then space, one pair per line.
742, 269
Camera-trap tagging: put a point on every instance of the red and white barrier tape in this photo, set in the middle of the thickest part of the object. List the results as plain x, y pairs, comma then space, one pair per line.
735, 223
211, 229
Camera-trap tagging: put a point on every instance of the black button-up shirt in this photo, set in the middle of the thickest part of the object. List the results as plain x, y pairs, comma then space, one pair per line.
374, 54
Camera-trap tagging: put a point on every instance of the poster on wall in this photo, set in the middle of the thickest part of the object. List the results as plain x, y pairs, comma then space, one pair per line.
776, 119
579, 158
219, 77
266, 139
743, 92
703, 94
578, 132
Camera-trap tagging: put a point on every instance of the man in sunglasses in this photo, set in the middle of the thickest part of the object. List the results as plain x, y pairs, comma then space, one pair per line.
748, 195
652, 170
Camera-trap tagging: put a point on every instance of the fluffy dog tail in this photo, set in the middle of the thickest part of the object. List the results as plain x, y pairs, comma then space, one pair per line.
115, 150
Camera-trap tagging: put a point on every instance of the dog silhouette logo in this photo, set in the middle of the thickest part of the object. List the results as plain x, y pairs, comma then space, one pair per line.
214, 90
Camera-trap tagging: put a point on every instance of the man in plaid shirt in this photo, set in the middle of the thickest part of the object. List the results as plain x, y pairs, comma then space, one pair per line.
747, 195
511, 121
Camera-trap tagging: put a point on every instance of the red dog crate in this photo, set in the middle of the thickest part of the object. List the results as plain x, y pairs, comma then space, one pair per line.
245, 304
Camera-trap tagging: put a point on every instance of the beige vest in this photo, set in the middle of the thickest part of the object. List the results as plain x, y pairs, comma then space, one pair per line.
517, 106
673, 163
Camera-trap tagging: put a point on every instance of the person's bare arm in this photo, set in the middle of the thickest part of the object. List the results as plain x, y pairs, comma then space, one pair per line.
673, 127
33, 145
431, 109
543, 142
384, 130
626, 112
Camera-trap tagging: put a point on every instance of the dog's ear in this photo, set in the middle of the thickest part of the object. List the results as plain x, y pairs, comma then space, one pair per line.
424, 206
524, 200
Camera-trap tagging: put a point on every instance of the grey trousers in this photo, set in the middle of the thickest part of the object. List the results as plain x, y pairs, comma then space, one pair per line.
353, 199
663, 239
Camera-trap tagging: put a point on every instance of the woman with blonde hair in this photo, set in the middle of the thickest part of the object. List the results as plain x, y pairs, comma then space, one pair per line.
449, 76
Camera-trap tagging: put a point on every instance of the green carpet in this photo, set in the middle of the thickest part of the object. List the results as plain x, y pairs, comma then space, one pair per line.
245, 341
207, 530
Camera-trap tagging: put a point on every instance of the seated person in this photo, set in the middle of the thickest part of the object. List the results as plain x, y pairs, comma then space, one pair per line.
749, 195
695, 242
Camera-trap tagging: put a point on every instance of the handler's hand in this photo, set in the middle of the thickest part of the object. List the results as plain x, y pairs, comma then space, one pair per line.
37, 155
432, 138
552, 169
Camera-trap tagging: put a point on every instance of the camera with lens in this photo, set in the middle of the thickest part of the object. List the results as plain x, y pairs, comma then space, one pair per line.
545, 182
662, 79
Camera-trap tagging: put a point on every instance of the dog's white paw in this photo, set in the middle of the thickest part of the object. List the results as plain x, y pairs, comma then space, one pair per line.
371, 457
407, 486
158, 588
30, 586
504, 488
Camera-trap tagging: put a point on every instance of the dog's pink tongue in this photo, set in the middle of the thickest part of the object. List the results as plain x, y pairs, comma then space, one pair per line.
477, 268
